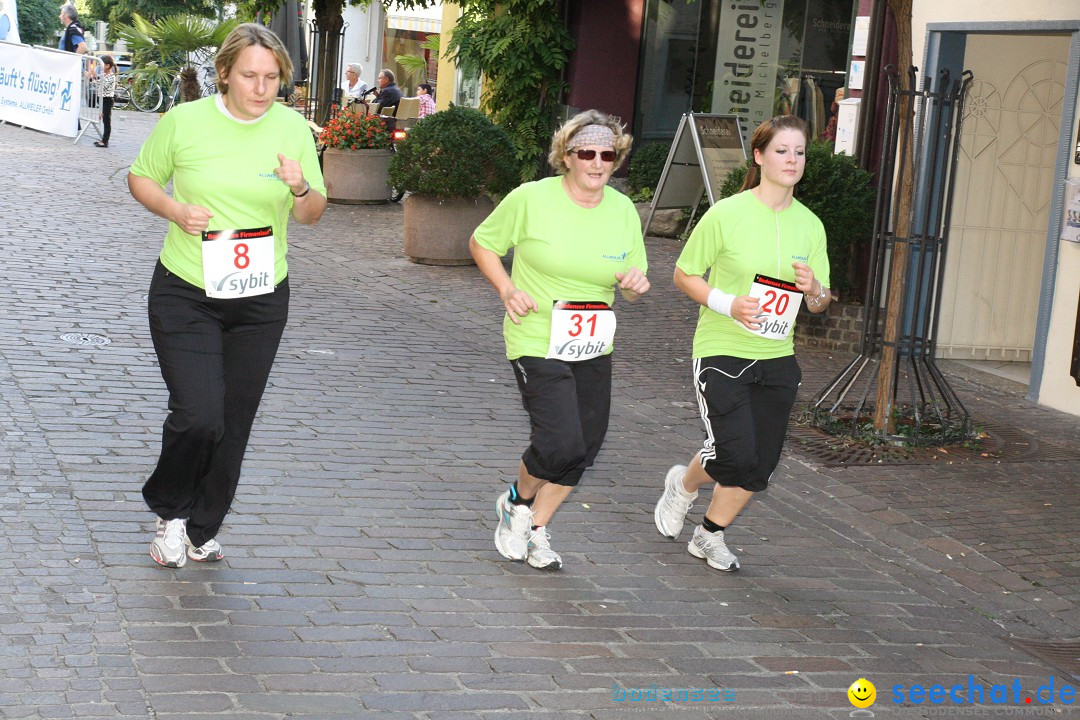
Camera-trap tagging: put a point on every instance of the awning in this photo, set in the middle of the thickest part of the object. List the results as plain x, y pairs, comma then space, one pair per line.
410, 22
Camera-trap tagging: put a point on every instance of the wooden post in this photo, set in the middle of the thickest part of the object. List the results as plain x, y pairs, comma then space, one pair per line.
886, 383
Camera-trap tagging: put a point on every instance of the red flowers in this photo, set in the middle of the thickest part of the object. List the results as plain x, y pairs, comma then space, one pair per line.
352, 129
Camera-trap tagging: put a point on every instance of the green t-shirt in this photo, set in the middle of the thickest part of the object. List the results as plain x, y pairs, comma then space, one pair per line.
227, 166
562, 251
735, 240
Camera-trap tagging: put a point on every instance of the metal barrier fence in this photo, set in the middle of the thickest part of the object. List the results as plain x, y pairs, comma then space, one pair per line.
90, 96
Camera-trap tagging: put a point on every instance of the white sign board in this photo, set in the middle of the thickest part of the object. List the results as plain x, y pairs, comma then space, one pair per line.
747, 58
706, 148
39, 88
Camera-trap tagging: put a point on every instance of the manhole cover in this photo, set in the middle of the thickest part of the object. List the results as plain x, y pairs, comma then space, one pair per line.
1061, 654
1001, 444
85, 339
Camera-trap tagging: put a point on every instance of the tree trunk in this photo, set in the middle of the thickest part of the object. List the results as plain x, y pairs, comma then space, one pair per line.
886, 387
329, 23
189, 84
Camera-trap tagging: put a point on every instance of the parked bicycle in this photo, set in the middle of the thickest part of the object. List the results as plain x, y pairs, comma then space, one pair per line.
148, 95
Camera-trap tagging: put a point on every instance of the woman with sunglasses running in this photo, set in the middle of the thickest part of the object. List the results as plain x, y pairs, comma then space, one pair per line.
575, 239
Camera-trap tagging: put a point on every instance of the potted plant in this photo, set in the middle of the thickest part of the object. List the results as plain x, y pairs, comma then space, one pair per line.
450, 162
357, 149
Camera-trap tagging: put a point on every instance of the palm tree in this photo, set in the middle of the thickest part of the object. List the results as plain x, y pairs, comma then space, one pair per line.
416, 66
177, 44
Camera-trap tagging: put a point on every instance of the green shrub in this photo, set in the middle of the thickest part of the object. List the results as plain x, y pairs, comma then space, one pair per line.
458, 152
840, 193
646, 166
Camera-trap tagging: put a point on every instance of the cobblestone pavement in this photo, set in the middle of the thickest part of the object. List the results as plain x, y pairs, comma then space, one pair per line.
361, 579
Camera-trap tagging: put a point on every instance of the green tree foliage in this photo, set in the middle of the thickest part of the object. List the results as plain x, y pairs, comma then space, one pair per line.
647, 165
38, 22
521, 47
174, 44
122, 12
417, 65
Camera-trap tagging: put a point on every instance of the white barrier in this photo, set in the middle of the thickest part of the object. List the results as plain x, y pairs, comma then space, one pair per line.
90, 95
40, 88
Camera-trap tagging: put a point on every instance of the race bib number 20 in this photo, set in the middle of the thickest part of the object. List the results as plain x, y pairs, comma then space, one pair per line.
580, 330
778, 302
238, 263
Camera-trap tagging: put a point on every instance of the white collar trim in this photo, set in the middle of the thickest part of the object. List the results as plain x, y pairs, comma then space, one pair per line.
219, 100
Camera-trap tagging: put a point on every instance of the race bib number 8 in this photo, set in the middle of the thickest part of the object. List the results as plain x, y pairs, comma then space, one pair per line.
778, 305
238, 263
580, 330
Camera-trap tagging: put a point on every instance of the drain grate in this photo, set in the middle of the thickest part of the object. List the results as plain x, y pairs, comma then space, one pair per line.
1001, 444
1063, 655
85, 339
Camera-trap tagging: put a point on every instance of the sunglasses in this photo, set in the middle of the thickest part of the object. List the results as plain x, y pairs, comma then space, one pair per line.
605, 155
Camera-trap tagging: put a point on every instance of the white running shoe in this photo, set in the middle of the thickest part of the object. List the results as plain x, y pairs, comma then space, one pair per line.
540, 553
711, 547
168, 546
674, 504
512, 534
209, 551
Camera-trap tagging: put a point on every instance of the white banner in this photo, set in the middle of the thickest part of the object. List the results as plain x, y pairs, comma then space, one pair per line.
40, 88
9, 21
748, 51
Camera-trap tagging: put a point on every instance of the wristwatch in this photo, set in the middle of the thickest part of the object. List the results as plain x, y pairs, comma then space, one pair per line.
307, 189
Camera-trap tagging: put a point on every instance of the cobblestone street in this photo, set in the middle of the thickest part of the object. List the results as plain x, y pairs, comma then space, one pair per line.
360, 578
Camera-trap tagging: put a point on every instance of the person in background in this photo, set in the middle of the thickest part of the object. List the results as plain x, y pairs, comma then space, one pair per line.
387, 94
427, 102
74, 38
575, 240
764, 253
107, 88
354, 88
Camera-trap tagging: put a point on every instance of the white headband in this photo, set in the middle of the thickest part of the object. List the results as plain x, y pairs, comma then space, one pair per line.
600, 135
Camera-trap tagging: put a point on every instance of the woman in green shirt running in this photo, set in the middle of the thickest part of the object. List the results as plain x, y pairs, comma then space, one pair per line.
763, 251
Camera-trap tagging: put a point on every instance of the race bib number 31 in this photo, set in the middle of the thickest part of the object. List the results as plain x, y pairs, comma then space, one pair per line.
778, 305
238, 263
580, 330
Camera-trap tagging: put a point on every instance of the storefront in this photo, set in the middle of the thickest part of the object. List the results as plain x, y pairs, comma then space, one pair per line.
751, 58
1012, 286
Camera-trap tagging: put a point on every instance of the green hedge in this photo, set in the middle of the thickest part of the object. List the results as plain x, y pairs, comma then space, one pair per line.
457, 152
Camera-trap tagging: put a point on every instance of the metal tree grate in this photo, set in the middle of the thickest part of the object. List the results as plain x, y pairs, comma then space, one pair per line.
1000, 444
894, 381
1064, 655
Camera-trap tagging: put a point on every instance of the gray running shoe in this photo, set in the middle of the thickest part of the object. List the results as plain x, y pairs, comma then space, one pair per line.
515, 523
674, 504
540, 553
168, 546
710, 547
209, 551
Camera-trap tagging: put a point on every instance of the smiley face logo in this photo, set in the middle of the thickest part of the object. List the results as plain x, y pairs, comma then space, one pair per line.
862, 693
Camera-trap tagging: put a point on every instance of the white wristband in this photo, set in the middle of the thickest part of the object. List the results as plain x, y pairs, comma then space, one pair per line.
720, 301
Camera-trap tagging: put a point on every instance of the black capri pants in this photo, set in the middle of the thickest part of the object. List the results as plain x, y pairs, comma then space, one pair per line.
568, 405
745, 405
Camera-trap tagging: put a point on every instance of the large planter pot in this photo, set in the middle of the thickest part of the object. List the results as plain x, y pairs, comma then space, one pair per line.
437, 229
356, 177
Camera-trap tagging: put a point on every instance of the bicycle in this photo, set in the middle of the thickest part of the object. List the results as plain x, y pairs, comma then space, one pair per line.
140, 92
147, 95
